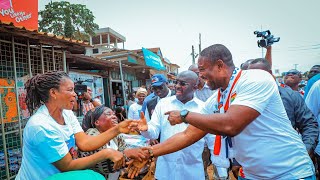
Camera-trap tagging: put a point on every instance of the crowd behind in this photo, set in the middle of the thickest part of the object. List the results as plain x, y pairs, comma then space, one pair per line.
240, 120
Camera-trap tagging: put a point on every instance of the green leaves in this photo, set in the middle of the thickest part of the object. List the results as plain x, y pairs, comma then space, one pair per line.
70, 20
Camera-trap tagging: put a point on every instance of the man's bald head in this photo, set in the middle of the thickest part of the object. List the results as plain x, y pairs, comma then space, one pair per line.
188, 76
260, 63
194, 68
245, 65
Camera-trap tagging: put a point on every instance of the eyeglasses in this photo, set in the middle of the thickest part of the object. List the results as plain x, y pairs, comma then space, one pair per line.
182, 83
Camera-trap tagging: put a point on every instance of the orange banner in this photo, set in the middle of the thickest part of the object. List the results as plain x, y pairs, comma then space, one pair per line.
20, 13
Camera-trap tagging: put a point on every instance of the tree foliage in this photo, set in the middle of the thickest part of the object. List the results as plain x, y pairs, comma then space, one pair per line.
70, 20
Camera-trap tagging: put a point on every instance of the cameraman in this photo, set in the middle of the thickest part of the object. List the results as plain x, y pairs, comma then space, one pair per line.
87, 102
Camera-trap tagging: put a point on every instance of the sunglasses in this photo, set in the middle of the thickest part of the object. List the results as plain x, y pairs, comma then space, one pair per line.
182, 83
291, 73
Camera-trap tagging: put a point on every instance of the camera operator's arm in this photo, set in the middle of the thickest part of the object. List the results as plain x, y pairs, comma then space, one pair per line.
268, 56
75, 107
93, 101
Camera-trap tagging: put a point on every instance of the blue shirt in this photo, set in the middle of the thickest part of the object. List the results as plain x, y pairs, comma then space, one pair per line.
144, 105
310, 83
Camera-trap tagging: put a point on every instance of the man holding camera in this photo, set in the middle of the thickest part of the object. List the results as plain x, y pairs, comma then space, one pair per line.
88, 103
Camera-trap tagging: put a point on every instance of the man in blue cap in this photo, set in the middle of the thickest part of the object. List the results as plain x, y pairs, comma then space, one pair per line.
159, 85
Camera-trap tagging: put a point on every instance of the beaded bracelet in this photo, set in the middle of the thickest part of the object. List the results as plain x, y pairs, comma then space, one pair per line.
151, 155
125, 157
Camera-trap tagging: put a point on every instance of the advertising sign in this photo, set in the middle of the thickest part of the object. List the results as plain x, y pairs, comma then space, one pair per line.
152, 60
8, 101
20, 13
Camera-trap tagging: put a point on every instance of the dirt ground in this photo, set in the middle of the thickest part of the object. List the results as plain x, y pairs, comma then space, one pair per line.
210, 173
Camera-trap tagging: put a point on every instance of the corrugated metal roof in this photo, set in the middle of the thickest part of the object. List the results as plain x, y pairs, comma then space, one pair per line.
14, 29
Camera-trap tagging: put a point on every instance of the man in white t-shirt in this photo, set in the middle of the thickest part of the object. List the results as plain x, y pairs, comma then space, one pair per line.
249, 111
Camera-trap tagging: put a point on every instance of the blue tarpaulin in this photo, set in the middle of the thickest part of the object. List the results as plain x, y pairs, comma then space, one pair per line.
152, 60
130, 59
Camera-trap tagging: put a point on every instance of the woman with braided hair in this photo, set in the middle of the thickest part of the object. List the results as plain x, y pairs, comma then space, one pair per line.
53, 132
97, 121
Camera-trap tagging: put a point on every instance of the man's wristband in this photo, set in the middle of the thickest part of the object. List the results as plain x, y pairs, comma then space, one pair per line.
151, 155
91, 100
125, 157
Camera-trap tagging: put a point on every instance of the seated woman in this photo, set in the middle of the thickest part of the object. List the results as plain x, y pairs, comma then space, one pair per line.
97, 121
53, 132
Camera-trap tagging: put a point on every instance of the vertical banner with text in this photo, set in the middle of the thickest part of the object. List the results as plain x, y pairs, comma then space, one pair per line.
20, 13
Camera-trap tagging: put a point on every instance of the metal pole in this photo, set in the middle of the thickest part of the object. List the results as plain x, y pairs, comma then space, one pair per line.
193, 59
199, 43
64, 61
41, 56
123, 91
262, 49
4, 138
16, 88
29, 58
53, 60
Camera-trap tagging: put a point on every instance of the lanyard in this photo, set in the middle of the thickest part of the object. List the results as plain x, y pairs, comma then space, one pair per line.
225, 104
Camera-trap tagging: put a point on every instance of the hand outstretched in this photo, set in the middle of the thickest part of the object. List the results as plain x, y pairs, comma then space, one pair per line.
139, 125
123, 127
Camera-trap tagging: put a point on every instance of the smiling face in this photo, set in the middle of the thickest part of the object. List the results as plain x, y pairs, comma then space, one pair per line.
161, 91
141, 98
107, 120
64, 97
210, 72
185, 88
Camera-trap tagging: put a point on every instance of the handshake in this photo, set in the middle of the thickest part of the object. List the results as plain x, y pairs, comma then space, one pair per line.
135, 165
146, 156
133, 126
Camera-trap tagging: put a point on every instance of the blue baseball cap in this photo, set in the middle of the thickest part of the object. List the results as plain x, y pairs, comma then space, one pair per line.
158, 80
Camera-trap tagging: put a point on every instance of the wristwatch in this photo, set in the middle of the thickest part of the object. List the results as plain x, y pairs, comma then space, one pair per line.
183, 115
91, 100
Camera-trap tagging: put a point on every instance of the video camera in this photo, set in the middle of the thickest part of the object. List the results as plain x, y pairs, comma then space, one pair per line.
80, 88
267, 38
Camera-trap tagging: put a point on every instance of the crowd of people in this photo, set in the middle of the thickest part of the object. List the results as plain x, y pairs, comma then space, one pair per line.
239, 119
